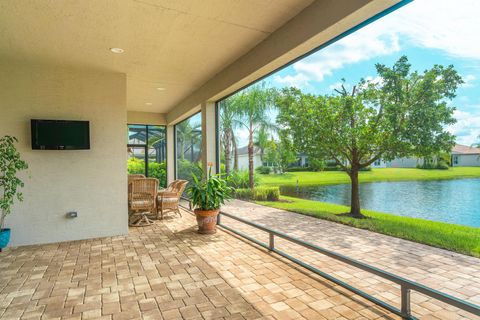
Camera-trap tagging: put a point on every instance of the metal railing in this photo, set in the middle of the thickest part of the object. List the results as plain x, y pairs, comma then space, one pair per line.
406, 286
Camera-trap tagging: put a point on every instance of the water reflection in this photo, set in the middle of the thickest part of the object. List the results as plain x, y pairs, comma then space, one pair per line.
454, 201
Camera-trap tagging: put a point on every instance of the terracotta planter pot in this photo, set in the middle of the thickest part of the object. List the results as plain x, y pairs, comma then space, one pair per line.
207, 220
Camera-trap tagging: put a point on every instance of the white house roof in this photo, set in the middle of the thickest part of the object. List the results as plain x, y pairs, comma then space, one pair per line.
461, 149
244, 150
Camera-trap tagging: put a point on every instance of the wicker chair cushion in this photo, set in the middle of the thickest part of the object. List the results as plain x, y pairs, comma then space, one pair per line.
167, 199
142, 203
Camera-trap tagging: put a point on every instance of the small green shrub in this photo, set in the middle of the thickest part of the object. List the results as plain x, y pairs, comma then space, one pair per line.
316, 164
366, 169
263, 170
258, 194
442, 165
155, 169
135, 166
267, 194
333, 168
244, 194
240, 179
159, 171
185, 169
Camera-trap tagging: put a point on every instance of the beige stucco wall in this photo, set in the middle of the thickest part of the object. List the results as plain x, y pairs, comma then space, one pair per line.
91, 182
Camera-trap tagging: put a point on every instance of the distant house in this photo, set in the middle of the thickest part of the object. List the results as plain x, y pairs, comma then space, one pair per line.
462, 156
243, 158
404, 163
465, 156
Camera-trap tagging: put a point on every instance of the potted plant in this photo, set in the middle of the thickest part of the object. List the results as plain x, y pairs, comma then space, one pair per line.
206, 196
10, 165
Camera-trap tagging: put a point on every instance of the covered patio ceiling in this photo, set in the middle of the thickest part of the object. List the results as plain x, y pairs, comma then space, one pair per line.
176, 53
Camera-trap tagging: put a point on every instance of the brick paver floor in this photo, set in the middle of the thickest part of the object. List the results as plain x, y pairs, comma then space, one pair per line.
166, 271
449, 272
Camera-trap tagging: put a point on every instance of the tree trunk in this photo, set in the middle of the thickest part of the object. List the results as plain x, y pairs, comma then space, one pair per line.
192, 152
355, 196
2, 212
227, 144
250, 160
182, 150
235, 154
2, 219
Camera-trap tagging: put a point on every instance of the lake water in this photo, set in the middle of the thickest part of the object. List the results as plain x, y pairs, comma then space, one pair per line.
453, 201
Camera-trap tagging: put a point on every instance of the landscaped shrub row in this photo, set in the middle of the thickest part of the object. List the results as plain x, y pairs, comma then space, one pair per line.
441, 165
258, 194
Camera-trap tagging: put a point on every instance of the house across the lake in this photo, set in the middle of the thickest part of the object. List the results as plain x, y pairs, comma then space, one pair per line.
465, 156
461, 156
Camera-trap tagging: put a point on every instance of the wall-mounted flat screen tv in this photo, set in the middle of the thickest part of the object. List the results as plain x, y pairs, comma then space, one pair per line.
60, 135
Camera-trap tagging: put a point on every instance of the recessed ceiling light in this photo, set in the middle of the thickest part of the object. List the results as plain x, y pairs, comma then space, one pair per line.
148, 103
117, 50
160, 89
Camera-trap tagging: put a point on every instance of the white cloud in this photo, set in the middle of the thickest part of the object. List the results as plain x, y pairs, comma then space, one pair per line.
447, 25
359, 46
467, 128
468, 81
450, 26
299, 80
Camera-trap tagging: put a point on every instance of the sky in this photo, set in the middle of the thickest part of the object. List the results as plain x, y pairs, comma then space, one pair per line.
428, 32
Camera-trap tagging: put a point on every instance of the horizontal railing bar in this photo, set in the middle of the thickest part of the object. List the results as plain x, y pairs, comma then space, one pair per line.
341, 283
320, 273
443, 297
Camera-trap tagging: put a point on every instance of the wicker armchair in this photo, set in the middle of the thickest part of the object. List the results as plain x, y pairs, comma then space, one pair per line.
142, 200
132, 177
169, 200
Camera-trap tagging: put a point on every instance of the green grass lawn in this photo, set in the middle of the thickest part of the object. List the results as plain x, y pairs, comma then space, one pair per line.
387, 174
452, 237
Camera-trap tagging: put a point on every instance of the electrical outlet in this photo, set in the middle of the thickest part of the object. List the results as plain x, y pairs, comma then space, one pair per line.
72, 214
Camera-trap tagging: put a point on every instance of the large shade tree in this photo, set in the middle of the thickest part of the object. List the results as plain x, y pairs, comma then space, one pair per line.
403, 114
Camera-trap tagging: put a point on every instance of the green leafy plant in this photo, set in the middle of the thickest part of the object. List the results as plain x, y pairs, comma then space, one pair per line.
186, 169
263, 170
10, 165
155, 169
241, 179
259, 194
209, 193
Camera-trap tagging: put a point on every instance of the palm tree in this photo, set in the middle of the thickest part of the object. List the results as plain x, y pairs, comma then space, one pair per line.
187, 133
227, 135
253, 106
261, 140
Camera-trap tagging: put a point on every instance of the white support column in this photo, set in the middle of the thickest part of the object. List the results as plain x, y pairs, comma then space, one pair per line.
209, 136
170, 154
